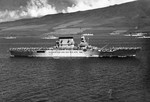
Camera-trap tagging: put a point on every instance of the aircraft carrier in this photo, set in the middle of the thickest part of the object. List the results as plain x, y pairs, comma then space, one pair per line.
65, 47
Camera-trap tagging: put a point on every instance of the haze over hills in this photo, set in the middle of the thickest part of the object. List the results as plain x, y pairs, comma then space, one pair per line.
128, 17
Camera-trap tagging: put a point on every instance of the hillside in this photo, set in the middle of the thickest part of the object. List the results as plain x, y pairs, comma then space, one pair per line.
129, 17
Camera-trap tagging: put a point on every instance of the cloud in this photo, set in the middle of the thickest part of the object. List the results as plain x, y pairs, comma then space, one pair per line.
34, 8
82, 5
38, 8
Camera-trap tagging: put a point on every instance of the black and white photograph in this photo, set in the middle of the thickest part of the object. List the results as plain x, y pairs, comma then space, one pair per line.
74, 50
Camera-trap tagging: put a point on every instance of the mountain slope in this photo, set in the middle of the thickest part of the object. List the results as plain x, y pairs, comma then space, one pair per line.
129, 17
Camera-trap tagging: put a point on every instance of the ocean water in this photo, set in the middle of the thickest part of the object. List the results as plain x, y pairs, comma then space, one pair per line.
75, 79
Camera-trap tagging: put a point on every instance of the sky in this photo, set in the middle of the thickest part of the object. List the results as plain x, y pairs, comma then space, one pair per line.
18, 9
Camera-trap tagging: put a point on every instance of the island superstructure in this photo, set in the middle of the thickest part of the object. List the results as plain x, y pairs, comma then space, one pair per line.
65, 47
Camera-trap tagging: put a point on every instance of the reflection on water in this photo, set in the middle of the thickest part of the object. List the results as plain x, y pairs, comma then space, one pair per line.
74, 79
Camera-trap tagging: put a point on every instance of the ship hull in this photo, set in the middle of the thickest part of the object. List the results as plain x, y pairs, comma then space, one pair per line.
54, 53
50, 52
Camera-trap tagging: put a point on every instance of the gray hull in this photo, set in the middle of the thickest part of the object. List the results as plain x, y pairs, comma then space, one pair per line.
50, 52
29, 52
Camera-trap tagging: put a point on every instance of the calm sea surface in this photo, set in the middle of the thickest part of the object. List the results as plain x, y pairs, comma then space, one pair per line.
75, 79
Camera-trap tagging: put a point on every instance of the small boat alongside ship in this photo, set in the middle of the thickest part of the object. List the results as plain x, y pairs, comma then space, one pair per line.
65, 47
